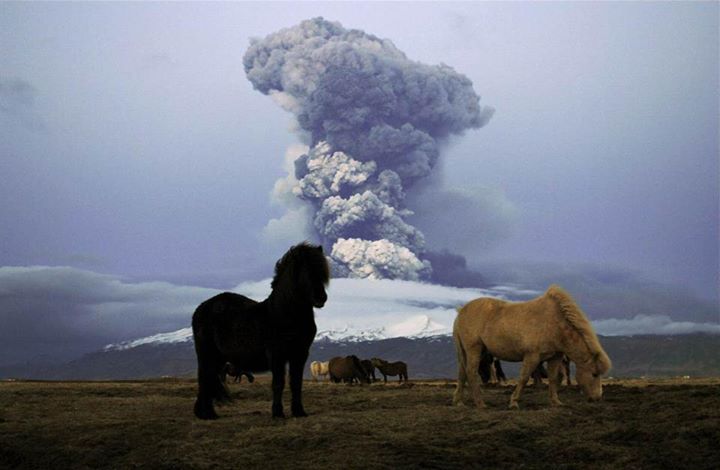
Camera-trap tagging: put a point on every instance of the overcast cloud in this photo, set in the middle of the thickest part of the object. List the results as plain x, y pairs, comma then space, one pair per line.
58, 313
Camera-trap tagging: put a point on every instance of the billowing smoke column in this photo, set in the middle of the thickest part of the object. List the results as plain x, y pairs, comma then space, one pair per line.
374, 120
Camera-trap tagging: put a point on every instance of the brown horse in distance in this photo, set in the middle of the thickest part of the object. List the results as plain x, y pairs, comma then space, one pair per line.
391, 368
347, 369
369, 369
236, 373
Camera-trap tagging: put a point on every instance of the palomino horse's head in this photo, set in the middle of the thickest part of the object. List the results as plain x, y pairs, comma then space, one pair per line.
589, 375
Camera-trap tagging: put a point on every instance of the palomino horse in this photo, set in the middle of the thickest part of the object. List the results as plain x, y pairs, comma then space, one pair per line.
319, 369
259, 336
542, 329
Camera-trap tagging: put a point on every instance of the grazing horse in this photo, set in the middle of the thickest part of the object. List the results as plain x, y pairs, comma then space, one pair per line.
260, 336
347, 369
391, 368
319, 369
542, 329
369, 369
233, 371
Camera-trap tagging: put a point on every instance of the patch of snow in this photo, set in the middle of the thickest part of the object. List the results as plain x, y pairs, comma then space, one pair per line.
180, 336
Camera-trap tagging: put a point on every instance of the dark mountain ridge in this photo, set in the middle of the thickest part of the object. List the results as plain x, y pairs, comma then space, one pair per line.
433, 357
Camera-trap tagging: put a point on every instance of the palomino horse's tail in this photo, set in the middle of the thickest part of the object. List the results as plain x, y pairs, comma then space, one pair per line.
462, 364
460, 351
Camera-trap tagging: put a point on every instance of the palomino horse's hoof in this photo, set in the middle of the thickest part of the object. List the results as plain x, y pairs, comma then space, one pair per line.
514, 406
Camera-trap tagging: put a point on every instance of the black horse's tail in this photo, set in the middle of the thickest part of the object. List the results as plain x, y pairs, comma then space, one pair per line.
210, 364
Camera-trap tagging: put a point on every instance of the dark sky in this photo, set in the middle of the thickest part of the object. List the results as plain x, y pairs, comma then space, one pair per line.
132, 144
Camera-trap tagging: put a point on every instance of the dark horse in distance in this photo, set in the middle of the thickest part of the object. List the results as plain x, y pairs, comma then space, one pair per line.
260, 336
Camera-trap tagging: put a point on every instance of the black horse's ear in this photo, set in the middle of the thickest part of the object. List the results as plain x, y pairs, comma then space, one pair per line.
320, 248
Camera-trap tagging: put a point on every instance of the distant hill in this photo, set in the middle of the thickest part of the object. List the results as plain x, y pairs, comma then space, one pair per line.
431, 357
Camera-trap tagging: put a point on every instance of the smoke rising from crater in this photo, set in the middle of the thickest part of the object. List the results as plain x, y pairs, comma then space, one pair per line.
375, 121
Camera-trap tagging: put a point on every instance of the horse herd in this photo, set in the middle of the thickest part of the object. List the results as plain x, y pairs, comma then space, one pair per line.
236, 335
350, 369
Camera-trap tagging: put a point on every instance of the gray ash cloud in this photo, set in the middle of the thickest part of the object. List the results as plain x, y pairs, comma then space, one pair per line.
375, 122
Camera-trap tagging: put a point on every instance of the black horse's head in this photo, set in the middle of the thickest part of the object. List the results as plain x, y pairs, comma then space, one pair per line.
303, 273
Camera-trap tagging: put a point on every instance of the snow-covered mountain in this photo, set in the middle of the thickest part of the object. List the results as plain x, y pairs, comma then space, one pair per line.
180, 336
419, 326
369, 310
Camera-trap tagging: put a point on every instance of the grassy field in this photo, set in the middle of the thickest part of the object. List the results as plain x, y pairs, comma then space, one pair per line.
640, 424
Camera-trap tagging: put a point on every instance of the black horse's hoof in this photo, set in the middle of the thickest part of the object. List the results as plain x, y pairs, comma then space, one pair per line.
204, 410
205, 414
277, 412
299, 413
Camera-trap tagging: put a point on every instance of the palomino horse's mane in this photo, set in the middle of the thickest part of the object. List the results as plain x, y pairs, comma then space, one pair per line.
577, 319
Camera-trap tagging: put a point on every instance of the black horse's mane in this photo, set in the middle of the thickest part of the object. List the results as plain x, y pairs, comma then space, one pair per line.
303, 254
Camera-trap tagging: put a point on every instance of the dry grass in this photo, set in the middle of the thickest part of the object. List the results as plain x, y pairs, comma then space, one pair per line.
640, 424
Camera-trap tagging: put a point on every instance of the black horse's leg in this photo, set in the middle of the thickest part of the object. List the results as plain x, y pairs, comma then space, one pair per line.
206, 385
210, 368
278, 385
297, 365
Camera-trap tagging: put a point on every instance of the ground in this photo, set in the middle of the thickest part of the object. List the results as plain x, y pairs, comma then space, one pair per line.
640, 424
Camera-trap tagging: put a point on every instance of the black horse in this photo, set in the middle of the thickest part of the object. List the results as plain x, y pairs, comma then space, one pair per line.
261, 336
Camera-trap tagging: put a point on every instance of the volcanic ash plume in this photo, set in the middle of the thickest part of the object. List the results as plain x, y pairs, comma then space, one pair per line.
375, 121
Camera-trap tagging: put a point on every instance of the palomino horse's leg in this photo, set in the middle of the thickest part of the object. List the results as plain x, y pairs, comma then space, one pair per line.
297, 365
530, 362
462, 374
472, 371
278, 384
554, 379
462, 379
